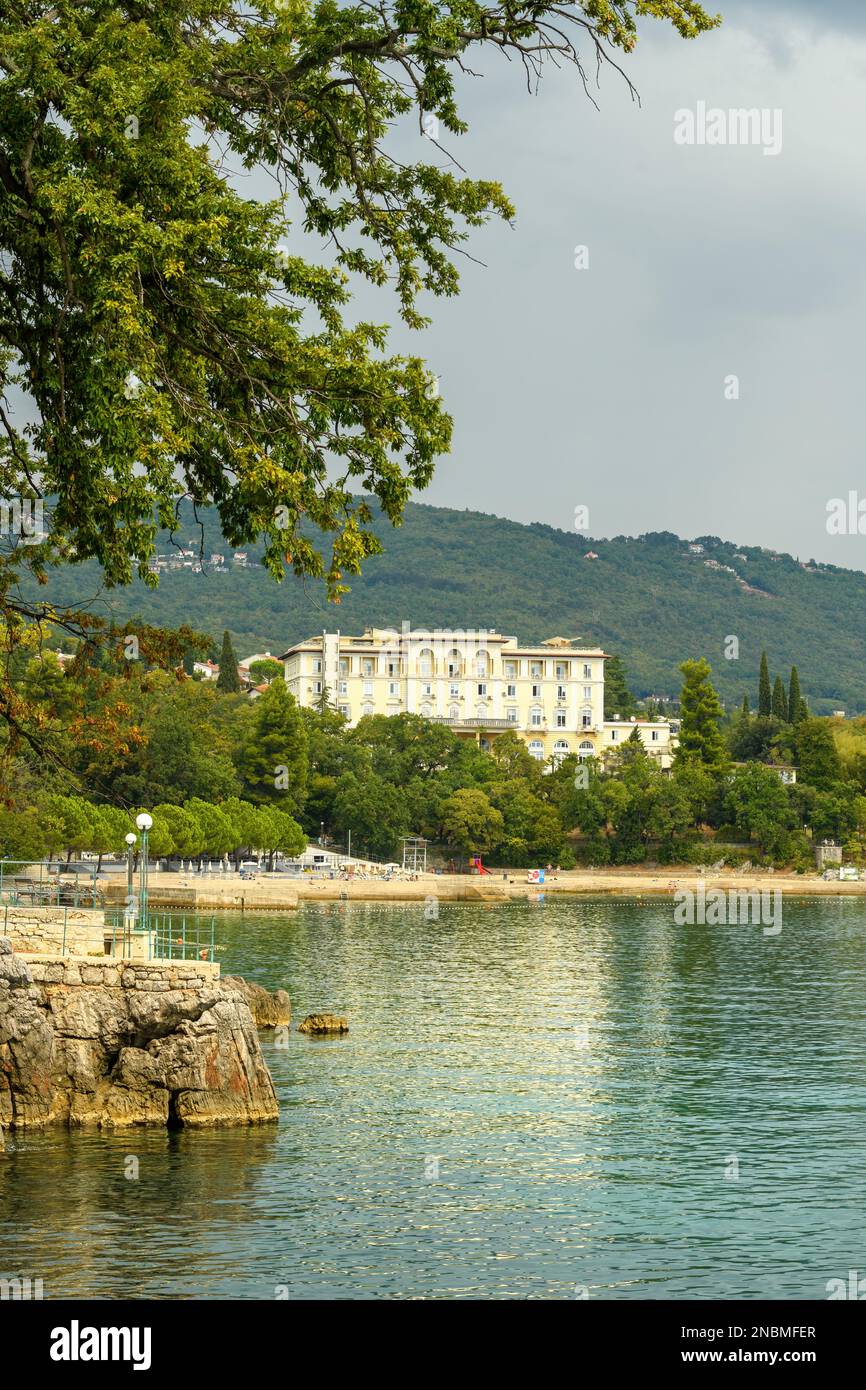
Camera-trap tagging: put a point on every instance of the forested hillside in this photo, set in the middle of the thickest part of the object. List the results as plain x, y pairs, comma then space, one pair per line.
651, 599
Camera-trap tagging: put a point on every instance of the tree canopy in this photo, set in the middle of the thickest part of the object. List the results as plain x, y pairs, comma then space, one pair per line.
164, 335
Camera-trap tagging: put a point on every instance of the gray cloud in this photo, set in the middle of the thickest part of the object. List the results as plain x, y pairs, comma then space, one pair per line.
605, 387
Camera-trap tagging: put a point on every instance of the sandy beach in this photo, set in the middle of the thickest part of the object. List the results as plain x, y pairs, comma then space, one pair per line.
274, 894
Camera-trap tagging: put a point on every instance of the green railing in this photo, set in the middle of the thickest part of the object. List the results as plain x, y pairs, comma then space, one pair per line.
166, 936
29, 883
182, 938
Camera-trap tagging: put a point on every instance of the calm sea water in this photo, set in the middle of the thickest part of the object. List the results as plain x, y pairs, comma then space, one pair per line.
532, 1101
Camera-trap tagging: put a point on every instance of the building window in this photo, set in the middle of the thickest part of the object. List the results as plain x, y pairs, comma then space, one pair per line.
560, 750
345, 711
560, 692
512, 716
585, 748
368, 687
481, 711
587, 672
561, 671
393, 687
367, 709
655, 735
613, 735
560, 719
342, 688
426, 711
536, 748
510, 669
455, 690
587, 692
317, 687
536, 668
511, 692
425, 663
482, 688
454, 712
368, 668
427, 688
586, 720
535, 716
317, 665
344, 666
536, 692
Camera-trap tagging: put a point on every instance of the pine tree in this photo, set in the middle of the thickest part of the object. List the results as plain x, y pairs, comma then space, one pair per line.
765, 698
228, 680
700, 714
618, 699
273, 761
795, 699
780, 703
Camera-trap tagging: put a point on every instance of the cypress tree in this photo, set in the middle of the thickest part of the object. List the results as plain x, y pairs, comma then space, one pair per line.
795, 699
745, 710
228, 680
780, 703
765, 698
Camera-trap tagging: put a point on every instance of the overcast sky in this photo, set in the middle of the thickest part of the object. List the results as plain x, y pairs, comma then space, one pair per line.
605, 387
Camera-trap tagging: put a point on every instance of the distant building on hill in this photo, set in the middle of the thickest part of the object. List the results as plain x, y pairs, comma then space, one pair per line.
479, 683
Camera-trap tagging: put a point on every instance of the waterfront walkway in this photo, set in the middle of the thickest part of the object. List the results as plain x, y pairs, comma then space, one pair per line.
267, 893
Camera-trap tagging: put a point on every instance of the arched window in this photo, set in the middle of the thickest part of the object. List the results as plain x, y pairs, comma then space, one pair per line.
426, 710
482, 663
426, 663
560, 750
536, 748
480, 711
586, 747
535, 716
454, 712
367, 709
454, 663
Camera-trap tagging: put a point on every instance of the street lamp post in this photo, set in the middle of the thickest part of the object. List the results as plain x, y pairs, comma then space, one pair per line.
144, 822
129, 914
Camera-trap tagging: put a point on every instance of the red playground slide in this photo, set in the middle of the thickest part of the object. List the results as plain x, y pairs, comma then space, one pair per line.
476, 863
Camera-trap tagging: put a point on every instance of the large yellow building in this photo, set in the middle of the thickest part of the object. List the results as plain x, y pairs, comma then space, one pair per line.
478, 682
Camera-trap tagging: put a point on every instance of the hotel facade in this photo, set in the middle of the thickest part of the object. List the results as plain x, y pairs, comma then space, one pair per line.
478, 682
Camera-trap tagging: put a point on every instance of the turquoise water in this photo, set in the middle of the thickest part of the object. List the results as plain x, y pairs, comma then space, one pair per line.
534, 1101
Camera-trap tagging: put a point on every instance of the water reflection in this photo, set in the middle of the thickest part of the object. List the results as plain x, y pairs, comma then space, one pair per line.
529, 1099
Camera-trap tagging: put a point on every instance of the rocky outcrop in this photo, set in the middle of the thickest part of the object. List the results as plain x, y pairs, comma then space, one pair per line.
115, 1043
268, 1010
323, 1023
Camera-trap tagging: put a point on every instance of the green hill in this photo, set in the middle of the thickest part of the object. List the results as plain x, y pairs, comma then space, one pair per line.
650, 599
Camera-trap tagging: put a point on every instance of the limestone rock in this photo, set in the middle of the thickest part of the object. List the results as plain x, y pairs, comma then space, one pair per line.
323, 1023
268, 1010
133, 1044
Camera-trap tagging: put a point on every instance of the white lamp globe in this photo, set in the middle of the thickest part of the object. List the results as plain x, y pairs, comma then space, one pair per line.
130, 838
144, 821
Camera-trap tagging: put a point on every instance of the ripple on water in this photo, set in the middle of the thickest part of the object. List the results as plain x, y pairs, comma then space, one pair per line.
530, 1099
